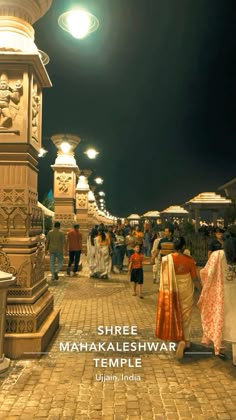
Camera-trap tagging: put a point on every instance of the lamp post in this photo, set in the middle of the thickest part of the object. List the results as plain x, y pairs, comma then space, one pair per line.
82, 218
65, 171
31, 320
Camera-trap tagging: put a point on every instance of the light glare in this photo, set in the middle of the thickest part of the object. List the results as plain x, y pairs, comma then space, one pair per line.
42, 152
98, 180
78, 24
65, 147
91, 153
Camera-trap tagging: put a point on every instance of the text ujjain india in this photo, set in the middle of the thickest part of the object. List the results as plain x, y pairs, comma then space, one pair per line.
131, 346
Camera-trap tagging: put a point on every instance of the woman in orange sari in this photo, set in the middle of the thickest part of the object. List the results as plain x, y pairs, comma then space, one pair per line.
175, 297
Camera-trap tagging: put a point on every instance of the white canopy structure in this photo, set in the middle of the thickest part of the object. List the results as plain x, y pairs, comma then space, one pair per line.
46, 211
152, 214
133, 217
175, 211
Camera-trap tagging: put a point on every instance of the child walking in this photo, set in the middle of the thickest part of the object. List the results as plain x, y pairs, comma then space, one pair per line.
136, 270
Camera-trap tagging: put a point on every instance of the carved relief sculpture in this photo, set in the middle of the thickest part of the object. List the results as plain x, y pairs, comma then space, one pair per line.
63, 182
9, 99
35, 112
81, 200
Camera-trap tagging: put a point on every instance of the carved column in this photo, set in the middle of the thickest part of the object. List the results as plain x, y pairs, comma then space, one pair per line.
65, 172
91, 210
30, 318
82, 204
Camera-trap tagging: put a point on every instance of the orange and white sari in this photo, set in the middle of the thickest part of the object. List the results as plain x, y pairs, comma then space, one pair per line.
175, 302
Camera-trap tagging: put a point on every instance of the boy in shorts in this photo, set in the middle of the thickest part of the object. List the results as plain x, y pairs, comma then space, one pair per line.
136, 270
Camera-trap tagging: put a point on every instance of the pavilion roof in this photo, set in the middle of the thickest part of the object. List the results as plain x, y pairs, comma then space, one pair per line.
175, 210
152, 213
228, 184
209, 198
133, 217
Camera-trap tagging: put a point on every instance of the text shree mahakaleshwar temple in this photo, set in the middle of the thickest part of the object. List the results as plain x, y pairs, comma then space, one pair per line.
30, 320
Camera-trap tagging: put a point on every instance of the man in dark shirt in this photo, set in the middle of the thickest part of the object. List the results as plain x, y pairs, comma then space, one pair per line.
217, 242
165, 245
74, 241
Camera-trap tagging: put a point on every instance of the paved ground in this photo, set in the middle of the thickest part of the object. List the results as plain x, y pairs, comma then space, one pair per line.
64, 384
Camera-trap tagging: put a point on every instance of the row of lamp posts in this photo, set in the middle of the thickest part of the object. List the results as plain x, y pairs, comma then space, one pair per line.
74, 200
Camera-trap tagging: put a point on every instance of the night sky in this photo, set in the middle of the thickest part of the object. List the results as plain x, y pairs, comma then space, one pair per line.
154, 90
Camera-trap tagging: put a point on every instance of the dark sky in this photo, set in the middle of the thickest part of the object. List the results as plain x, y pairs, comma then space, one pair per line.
154, 89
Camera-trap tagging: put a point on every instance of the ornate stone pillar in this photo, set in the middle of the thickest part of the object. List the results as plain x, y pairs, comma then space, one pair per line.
30, 318
82, 204
91, 210
6, 280
65, 172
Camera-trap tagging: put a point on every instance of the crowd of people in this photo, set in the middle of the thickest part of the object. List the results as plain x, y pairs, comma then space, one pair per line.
174, 270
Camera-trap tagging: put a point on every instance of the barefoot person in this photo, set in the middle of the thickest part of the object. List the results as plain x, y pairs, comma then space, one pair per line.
175, 297
136, 270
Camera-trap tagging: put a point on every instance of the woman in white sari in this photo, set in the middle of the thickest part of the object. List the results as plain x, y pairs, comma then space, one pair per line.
217, 301
103, 254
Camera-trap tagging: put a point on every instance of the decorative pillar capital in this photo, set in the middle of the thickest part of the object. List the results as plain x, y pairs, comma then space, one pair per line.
17, 18
65, 144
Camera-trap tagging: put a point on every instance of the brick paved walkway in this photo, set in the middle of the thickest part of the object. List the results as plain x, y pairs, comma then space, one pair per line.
68, 385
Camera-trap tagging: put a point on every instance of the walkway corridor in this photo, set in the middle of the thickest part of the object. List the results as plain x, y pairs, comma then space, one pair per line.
67, 385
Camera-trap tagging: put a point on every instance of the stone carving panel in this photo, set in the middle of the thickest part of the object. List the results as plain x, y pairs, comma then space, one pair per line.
3, 220
66, 220
63, 182
81, 200
12, 195
5, 264
33, 198
18, 218
36, 103
10, 94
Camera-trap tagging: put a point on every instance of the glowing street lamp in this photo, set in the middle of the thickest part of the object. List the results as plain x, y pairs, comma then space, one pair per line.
101, 194
65, 144
98, 180
78, 22
65, 147
91, 153
42, 152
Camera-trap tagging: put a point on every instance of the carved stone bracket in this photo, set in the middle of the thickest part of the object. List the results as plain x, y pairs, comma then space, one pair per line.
5, 264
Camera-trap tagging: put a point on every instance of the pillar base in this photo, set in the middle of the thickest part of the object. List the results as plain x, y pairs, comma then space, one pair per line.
31, 345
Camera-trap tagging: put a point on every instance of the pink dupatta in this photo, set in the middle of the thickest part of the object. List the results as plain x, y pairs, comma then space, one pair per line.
211, 302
